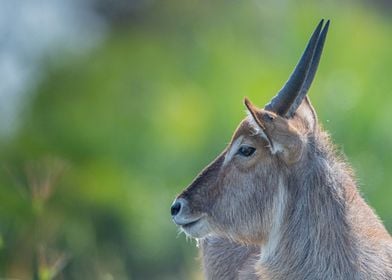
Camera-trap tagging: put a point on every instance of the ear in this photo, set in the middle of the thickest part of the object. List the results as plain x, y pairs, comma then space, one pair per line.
257, 122
284, 140
305, 118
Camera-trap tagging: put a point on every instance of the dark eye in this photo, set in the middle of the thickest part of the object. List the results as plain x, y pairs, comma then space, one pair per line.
246, 151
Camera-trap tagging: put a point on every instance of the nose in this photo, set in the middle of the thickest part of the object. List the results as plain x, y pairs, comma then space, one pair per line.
181, 212
176, 207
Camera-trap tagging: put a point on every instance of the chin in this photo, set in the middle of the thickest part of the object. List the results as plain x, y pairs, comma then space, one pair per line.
198, 229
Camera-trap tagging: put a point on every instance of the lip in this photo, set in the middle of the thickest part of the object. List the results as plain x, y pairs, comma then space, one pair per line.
185, 222
190, 224
196, 228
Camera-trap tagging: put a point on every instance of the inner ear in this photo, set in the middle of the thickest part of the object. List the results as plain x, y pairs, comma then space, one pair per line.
258, 123
305, 118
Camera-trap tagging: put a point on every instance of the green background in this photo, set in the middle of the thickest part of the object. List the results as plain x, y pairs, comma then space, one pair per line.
109, 138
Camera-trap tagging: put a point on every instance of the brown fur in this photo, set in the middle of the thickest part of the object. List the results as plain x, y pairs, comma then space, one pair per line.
289, 211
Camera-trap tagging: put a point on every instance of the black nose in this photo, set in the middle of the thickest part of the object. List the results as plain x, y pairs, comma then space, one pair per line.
175, 208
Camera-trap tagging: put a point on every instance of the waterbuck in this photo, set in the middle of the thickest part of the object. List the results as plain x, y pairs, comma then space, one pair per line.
279, 202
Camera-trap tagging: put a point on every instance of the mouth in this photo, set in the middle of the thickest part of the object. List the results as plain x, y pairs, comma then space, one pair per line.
190, 224
184, 223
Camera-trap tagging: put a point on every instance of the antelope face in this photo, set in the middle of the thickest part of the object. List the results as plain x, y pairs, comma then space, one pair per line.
239, 192
242, 193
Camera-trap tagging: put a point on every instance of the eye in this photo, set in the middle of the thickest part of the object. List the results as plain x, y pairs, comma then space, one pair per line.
246, 151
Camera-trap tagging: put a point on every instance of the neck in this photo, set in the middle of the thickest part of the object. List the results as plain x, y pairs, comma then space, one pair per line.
313, 238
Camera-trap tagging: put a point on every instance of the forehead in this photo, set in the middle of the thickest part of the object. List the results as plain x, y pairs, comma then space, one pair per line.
244, 129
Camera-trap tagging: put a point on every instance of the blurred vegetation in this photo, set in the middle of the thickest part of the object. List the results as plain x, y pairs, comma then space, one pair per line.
109, 138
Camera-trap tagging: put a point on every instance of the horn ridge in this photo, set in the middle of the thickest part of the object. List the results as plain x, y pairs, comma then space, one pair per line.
283, 100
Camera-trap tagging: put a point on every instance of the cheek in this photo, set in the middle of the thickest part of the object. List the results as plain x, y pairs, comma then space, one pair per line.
238, 199
244, 204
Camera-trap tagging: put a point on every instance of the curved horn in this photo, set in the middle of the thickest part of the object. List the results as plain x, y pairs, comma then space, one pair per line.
282, 102
312, 72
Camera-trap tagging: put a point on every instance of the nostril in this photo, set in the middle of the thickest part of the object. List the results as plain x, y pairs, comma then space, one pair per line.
175, 208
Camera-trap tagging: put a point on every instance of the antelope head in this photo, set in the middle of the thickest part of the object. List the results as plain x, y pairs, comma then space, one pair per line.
242, 193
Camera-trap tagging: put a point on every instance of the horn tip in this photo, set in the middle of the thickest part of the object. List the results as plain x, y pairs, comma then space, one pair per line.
320, 24
326, 23
325, 29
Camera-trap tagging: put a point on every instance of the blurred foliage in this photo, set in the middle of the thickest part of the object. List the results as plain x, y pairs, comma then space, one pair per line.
109, 138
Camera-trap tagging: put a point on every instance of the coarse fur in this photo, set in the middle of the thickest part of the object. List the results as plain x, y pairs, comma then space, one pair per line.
290, 210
